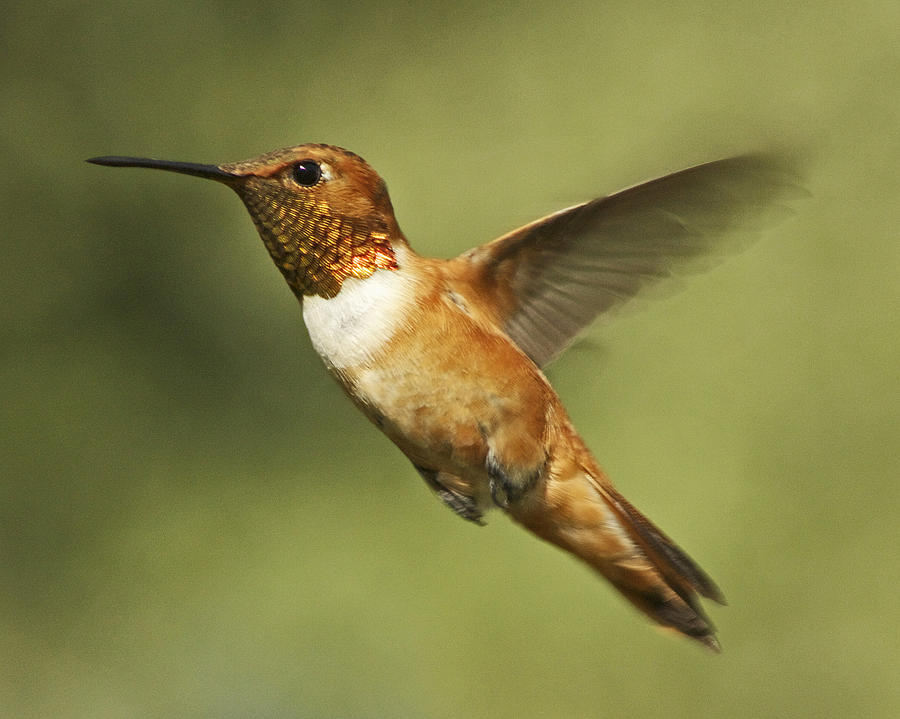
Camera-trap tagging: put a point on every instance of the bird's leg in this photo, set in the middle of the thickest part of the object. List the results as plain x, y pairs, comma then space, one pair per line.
465, 506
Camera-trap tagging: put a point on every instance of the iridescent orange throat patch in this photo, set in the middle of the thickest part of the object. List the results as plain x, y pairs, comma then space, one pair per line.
315, 248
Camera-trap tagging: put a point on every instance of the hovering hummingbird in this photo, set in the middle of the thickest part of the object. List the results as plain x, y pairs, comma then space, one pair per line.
445, 356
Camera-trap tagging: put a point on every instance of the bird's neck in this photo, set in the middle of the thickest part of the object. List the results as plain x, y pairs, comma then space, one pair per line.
354, 328
316, 248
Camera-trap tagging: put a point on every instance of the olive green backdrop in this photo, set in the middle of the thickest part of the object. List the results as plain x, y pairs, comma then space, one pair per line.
196, 523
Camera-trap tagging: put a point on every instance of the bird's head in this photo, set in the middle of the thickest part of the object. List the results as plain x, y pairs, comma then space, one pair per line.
323, 213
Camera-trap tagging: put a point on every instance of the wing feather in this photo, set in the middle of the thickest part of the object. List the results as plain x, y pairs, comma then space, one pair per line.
553, 277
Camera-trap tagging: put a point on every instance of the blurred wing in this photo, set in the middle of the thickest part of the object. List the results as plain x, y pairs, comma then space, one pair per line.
551, 278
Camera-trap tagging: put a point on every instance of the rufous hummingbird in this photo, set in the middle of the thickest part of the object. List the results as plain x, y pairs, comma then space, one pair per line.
445, 356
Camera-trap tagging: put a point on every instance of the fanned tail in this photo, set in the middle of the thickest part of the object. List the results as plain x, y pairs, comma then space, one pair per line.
589, 518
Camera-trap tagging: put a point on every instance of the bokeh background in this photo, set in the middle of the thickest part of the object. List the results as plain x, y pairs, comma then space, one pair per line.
195, 523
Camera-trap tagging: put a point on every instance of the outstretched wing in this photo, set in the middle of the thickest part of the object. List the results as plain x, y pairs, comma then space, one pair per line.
551, 278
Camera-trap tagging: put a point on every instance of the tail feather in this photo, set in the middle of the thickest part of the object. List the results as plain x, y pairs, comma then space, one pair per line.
668, 556
680, 573
589, 518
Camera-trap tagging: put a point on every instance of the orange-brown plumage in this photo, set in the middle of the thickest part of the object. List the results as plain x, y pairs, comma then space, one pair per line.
445, 356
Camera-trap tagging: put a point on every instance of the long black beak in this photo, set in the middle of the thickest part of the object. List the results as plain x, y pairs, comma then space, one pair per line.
210, 172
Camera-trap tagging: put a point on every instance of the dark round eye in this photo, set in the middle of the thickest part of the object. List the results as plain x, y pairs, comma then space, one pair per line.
306, 173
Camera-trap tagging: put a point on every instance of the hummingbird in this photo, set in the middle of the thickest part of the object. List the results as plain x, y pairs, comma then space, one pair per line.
447, 356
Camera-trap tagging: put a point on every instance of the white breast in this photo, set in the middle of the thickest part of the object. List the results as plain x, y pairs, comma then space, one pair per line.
349, 329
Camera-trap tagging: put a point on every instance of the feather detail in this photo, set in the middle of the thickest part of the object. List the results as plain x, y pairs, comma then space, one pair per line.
551, 278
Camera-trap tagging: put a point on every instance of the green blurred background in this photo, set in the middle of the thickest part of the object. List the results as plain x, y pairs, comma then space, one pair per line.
196, 523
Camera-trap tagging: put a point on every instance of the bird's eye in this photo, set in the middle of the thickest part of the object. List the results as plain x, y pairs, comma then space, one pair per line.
306, 173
